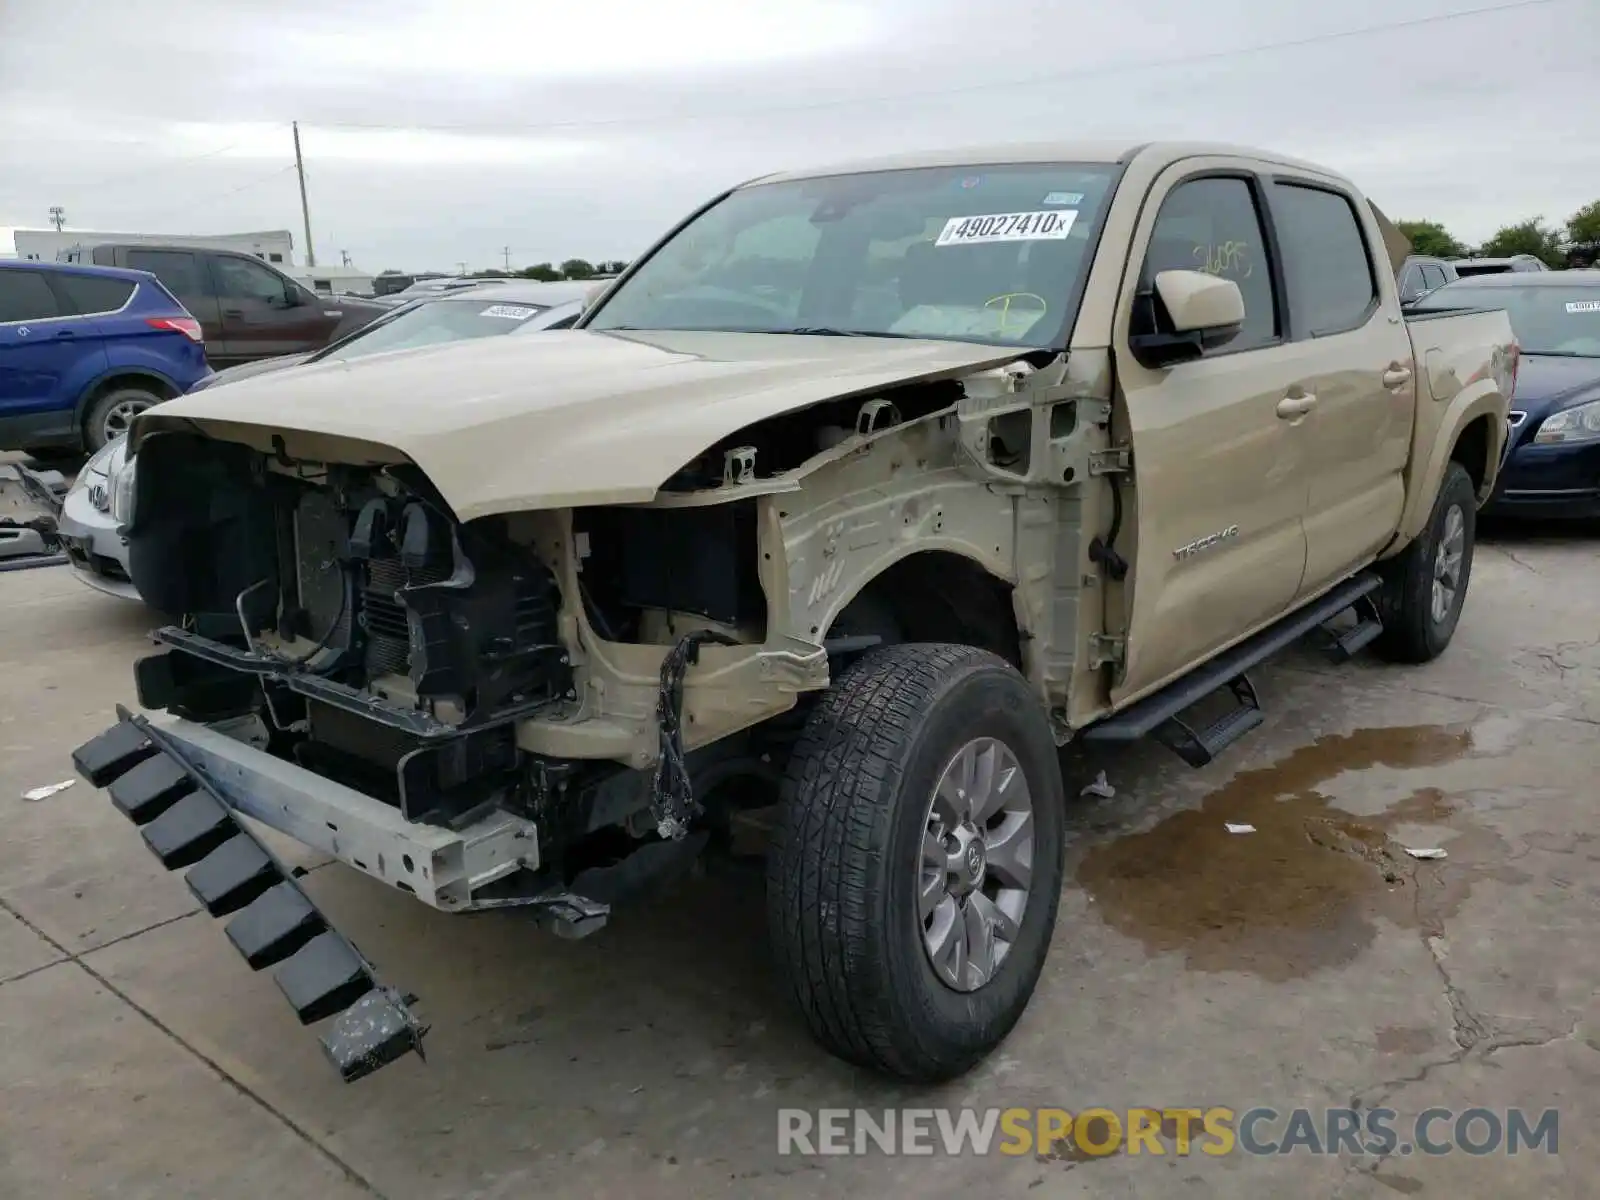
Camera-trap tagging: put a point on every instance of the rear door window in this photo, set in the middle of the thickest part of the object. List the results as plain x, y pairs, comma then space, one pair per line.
1332, 287
89, 295
1212, 225
178, 270
25, 296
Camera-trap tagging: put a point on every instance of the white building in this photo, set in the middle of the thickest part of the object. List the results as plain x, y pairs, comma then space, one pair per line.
275, 246
326, 281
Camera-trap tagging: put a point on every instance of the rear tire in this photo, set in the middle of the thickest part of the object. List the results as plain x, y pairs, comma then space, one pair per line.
108, 417
872, 881
1426, 585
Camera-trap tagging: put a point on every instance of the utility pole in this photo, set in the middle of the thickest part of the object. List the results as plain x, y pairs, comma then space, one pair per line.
344, 258
305, 208
58, 216
463, 269
506, 250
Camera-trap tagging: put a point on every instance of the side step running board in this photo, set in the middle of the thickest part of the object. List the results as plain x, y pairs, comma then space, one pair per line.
1343, 645
1158, 715
188, 823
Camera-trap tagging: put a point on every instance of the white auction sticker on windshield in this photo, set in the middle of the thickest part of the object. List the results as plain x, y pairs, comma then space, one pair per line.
1046, 225
1578, 306
512, 312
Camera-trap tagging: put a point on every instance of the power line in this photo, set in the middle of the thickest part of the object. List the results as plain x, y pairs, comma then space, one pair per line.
965, 89
220, 195
166, 165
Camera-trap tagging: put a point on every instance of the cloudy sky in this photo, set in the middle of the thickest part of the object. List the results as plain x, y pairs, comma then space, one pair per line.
440, 131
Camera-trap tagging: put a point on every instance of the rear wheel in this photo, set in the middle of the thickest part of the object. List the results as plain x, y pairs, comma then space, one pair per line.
1426, 585
916, 868
109, 416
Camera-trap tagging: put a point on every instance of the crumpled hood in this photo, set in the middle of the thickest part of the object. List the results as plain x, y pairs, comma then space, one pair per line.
566, 418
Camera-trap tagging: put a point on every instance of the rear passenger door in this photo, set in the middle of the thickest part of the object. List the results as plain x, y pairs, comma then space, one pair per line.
1358, 372
183, 273
1220, 443
263, 313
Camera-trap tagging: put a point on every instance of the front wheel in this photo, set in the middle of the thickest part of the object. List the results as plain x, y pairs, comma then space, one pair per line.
1426, 584
916, 869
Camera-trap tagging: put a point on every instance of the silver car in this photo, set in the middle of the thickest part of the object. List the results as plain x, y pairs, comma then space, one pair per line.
92, 514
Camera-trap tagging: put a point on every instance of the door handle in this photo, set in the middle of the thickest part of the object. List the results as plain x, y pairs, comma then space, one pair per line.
233, 312
66, 333
1293, 407
1396, 375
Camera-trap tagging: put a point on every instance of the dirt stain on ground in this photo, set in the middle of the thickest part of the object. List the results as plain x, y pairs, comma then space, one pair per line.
1305, 889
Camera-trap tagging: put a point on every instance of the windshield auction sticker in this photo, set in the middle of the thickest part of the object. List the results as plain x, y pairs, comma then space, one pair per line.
1583, 306
1046, 225
512, 312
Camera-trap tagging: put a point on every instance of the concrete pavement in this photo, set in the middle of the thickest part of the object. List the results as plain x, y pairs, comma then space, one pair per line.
1310, 963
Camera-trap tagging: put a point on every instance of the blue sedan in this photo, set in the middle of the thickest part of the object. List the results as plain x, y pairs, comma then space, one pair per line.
1553, 463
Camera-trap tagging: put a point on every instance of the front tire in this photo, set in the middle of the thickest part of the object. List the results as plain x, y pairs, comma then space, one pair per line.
915, 872
1425, 586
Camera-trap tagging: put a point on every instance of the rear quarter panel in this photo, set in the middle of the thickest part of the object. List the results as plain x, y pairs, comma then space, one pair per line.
1465, 364
134, 346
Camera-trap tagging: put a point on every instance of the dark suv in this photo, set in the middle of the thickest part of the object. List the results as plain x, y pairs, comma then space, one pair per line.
247, 309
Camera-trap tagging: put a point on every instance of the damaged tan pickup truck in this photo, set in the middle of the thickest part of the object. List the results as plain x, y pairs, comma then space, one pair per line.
851, 501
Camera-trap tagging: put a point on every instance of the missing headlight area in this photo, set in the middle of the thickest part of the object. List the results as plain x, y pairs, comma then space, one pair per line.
650, 575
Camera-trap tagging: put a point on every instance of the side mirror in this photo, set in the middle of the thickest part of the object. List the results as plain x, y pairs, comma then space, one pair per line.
593, 294
1185, 314
1203, 304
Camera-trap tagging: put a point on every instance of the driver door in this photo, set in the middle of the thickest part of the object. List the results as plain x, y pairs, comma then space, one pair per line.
1220, 447
264, 314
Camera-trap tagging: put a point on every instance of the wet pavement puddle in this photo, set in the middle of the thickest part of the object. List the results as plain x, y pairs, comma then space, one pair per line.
1306, 889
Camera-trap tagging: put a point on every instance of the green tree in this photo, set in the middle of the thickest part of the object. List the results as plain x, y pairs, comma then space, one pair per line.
1532, 236
577, 268
1430, 237
541, 271
1584, 225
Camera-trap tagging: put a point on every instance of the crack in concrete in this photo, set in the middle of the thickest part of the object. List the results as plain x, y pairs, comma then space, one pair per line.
1475, 1034
1515, 558
349, 1172
1468, 1028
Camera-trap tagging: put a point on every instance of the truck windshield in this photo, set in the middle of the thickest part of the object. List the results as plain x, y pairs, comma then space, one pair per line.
1557, 320
992, 254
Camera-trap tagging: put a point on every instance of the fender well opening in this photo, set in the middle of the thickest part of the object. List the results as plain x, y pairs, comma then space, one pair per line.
1472, 451
936, 596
